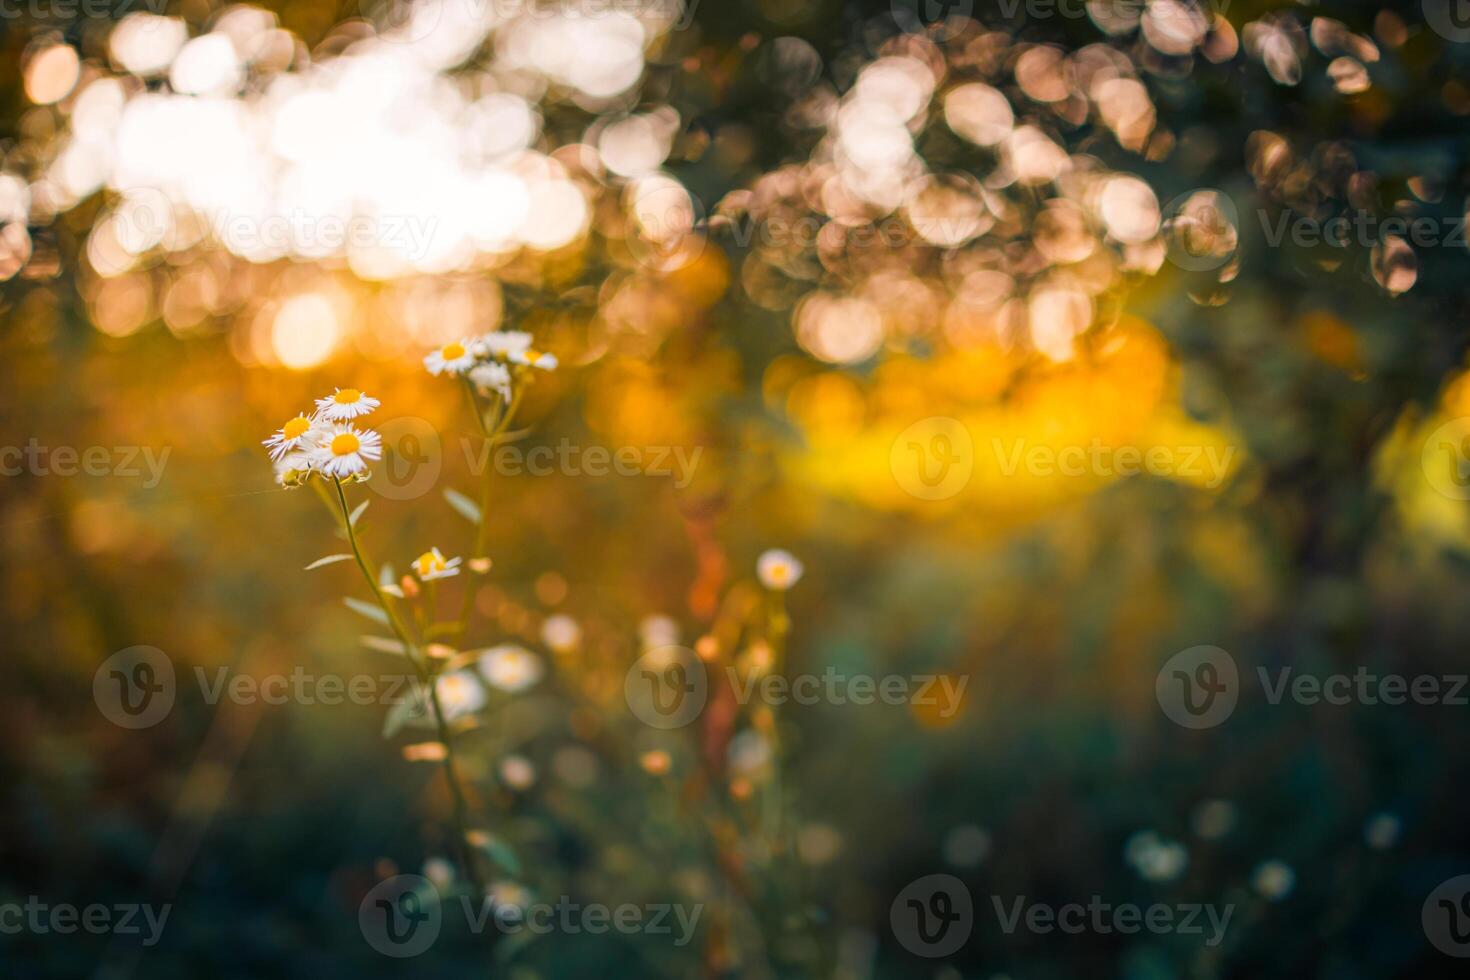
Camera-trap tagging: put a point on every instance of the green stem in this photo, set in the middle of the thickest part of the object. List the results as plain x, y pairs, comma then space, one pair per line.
777, 627
461, 809
482, 533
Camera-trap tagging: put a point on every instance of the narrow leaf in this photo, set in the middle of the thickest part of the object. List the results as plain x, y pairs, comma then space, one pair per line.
357, 511
329, 560
383, 644
367, 609
466, 507
411, 712
499, 852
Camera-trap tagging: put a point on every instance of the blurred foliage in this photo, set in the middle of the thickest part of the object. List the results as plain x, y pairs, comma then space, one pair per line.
1325, 547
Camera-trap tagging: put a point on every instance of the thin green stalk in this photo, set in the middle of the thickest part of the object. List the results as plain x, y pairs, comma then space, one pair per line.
461, 809
777, 627
482, 534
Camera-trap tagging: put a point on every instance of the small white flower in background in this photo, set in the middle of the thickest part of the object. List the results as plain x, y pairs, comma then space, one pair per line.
345, 451
295, 434
1154, 858
500, 343
534, 358
1382, 831
517, 772
440, 872
778, 570
510, 668
749, 752
459, 694
1273, 880
453, 358
492, 377
657, 631
561, 633
432, 564
344, 404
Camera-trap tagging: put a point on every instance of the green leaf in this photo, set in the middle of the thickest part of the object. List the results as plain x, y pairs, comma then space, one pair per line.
500, 852
411, 711
357, 511
466, 507
383, 644
375, 613
329, 560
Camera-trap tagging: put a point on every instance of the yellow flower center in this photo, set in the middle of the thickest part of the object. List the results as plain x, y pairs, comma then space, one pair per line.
346, 396
452, 352
429, 562
532, 356
296, 428
344, 443
780, 571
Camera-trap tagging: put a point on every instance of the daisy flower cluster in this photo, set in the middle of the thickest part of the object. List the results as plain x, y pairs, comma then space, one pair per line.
326, 441
490, 361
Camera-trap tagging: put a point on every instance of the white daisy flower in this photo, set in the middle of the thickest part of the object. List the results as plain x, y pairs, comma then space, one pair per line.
561, 633
459, 694
293, 468
534, 358
345, 451
510, 668
344, 404
500, 343
492, 377
431, 565
295, 434
453, 358
778, 570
